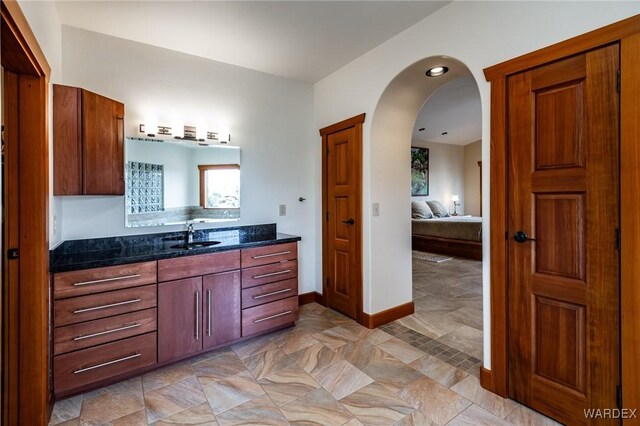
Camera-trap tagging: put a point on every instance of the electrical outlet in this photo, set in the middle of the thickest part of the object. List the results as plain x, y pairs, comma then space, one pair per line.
283, 209
375, 209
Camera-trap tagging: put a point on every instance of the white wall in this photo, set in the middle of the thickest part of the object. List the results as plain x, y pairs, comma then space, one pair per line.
485, 33
270, 118
446, 173
42, 17
472, 154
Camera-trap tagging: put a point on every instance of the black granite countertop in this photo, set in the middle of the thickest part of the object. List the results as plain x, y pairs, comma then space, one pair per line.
97, 252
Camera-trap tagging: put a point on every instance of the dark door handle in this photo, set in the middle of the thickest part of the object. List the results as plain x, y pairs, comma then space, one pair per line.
349, 221
521, 237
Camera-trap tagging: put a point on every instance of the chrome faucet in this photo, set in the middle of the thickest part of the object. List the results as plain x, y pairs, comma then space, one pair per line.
190, 233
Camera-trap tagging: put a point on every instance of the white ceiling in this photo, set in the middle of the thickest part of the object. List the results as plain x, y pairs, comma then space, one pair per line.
303, 40
454, 108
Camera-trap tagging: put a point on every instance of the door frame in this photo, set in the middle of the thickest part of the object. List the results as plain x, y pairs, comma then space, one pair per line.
627, 34
26, 341
355, 122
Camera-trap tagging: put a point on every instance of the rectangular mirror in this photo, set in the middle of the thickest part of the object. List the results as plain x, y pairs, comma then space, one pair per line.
176, 182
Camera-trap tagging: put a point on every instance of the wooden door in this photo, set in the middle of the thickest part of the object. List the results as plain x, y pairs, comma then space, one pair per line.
221, 308
342, 193
102, 145
563, 218
179, 318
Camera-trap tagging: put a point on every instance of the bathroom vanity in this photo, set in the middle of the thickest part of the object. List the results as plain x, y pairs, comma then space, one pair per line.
126, 305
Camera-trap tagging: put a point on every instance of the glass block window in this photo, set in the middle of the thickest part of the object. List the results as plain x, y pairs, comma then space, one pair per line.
144, 187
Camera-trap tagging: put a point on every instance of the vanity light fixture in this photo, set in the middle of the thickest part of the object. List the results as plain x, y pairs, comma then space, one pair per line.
199, 134
437, 71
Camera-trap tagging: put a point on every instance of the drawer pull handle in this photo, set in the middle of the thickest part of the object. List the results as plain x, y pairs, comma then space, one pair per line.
272, 317
271, 274
262, 256
106, 280
102, 333
111, 305
208, 312
197, 315
273, 293
104, 364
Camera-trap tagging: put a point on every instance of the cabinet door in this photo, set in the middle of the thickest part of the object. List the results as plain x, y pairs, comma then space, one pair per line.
67, 140
221, 308
179, 318
103, 145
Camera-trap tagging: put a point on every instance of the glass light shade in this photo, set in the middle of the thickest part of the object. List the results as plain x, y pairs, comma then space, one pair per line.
455, 198
223, 133
177, 129
151, 126
201, 131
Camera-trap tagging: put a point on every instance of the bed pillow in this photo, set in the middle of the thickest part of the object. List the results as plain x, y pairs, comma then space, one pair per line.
437, 209
420, 210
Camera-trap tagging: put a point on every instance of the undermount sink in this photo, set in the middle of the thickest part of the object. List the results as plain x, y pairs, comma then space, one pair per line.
195, 244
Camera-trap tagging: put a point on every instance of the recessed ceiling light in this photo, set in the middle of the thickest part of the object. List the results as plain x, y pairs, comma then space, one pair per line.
437, 71
421, 129
445, 133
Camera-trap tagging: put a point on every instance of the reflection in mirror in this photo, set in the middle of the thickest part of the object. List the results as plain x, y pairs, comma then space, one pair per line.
175, 182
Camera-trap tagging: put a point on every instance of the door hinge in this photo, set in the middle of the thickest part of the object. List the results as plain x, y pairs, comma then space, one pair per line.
618, 239
13, 253
619, 396
618, 81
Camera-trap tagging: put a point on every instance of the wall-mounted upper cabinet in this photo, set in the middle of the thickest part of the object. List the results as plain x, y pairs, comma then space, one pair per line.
88, 143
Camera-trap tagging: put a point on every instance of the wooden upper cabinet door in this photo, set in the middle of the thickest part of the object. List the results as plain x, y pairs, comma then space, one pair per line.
88, 143
563, 213
221, 308
67, 140
103, 145
179, 318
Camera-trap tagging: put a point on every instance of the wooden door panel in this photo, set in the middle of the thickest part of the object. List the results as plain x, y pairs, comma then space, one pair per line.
559, 339
221, 308
102, 145
342, 212
341, 273
563, 192
559, 122
560, 229
341, 168
179, 318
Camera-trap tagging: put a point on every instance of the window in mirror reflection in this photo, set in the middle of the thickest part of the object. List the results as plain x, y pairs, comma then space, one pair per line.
220, 186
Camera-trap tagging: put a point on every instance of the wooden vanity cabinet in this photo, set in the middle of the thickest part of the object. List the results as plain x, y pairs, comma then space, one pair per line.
200, 312
88, 143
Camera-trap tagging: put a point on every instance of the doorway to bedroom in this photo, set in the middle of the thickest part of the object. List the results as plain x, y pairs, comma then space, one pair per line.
446, 235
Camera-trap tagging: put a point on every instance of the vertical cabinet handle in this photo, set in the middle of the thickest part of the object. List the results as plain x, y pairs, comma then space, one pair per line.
197, 315
208, 312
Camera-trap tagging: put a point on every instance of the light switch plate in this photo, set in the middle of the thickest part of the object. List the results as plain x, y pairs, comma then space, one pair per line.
375, 209
283, 209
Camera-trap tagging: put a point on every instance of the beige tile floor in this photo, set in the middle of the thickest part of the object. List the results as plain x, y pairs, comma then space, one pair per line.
327, 370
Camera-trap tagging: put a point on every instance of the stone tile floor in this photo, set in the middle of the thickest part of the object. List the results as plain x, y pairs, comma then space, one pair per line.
328, 370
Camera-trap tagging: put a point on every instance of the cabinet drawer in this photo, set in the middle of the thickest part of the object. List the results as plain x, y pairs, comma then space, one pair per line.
259, 275
97, 332
97, 280
264, 317
266, 293
269, 254
85, 308
193, 266
87, 366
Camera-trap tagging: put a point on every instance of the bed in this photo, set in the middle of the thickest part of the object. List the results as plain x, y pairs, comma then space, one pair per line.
459, 236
